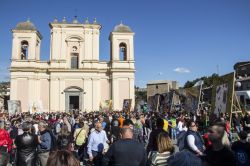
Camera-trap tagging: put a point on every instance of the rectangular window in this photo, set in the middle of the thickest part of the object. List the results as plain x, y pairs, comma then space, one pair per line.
74, 61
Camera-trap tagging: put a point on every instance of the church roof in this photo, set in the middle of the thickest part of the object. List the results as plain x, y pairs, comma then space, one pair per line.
121, 28
27, 25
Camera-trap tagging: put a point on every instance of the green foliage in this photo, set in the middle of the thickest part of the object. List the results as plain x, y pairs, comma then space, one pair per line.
3, 86
140, 95
208, 81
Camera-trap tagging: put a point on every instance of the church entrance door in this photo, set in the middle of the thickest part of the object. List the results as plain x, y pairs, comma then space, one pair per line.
74, 102
73, 99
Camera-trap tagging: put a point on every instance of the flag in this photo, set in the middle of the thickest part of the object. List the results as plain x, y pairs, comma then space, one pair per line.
199, 83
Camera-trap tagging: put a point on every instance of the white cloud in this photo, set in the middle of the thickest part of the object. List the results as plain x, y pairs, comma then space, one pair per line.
182, 70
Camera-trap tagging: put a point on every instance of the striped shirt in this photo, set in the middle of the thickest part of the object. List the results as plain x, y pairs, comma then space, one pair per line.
160, 159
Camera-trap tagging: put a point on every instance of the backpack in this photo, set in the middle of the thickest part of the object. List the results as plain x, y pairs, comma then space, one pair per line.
181, 140
184, 158
55, 128
53, 141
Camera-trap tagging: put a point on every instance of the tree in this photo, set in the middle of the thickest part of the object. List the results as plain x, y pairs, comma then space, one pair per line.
208, 81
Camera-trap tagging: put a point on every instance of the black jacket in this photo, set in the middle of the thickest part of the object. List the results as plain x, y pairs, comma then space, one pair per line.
63, 142
26, 149
125, 152
152, 142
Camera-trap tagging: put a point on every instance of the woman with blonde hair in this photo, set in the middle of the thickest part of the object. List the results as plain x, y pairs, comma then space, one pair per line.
62, 158
165, 149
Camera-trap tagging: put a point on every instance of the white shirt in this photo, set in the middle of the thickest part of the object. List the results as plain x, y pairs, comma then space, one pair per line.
191, 144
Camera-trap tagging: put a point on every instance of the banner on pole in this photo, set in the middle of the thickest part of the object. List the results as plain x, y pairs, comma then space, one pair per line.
14, 106
222, 94
106, 105
127, 105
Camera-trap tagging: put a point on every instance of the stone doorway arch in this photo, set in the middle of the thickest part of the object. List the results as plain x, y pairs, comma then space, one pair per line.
73, 98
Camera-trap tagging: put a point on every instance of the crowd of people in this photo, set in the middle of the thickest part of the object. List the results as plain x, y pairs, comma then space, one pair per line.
124, 139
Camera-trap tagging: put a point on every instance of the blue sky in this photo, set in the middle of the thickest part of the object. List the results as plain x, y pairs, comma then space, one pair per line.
174, 39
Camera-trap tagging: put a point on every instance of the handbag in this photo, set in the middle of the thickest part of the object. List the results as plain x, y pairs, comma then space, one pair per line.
77, 136
73, 147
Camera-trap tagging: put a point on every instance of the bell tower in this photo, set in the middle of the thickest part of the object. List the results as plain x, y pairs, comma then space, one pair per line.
122, 43
26, 42
122, 65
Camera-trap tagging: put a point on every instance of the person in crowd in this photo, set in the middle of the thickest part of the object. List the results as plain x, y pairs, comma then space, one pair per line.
62, 158
166, 124
121, 119
165, 149
237, 122
173, 127
241, 149
64, 139
181, 125
126, 151
145, 129
193, 140
5, 140
5, 143
4, 158
152, 143
184, 158
246, 121
66, 123
71, 120
137, 130
86, 126
45, 142
108, 124
26, 147
115, 131
218, 154
101, 120
76, 125
14, 130
80, 136
57, 126
96, 142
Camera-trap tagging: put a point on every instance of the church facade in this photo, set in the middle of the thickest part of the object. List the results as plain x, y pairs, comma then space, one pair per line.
73, 77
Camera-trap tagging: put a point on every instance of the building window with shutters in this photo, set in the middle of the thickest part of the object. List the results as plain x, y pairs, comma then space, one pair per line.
74, 61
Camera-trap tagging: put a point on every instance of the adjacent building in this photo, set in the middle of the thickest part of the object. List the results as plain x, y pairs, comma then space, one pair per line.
160, 87
242, 72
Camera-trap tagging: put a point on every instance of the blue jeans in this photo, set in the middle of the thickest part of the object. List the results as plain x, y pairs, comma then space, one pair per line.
97, 158
238, 129
173, 133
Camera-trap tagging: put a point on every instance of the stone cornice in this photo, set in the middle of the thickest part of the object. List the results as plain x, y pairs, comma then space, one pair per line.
122, 70
28, 31
71, 25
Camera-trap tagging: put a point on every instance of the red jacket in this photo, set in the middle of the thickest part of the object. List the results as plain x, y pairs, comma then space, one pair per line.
5, 139
208, 143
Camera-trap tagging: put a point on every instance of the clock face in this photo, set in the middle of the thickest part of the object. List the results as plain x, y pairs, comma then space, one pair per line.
74, 48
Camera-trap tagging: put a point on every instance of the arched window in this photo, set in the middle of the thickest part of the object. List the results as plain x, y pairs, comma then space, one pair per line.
123, 52
24, 50
74, 60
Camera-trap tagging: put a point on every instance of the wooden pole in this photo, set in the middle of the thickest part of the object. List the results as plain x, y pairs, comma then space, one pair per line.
157, 103
199, 99
232, 97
